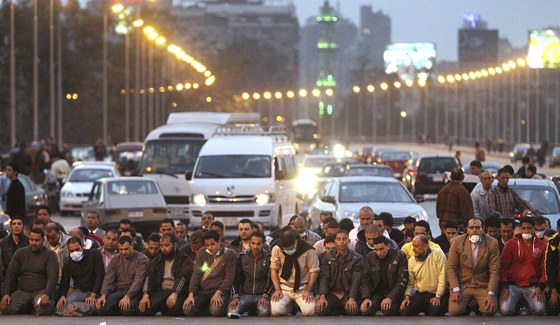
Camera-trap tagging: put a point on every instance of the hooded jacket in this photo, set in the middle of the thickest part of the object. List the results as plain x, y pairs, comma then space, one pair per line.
521, 265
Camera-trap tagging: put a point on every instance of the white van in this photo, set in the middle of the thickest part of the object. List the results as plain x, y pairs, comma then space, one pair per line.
242, 173
170, 151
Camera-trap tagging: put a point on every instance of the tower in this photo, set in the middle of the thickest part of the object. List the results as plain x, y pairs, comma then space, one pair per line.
326, 48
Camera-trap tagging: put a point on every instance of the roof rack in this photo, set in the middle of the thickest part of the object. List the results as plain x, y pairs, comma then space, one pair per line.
277, 132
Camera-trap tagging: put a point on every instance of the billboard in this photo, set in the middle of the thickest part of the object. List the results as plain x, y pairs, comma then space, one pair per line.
478, 46
410, 61
544, 49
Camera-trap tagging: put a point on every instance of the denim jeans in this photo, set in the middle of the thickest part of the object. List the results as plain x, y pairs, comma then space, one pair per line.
250, 304
77, 296
516, 293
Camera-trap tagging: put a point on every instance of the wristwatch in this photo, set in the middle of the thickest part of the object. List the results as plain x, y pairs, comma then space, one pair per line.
438, 295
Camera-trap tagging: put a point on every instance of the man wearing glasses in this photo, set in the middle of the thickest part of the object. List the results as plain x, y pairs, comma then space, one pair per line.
473, 270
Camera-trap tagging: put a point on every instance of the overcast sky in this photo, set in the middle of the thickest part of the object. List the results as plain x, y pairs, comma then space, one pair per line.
437, 21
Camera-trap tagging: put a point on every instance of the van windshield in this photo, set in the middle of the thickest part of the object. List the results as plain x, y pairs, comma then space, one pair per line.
234, 166
170, 156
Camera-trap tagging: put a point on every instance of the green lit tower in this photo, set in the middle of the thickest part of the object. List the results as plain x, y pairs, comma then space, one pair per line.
326, 48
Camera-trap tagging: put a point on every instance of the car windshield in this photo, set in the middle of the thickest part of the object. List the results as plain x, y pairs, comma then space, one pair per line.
354, 192
395, 156
170, 156
436, 165
132, 188
129, 155
317, 161
370, 171
542, 198
89, 174
234, 166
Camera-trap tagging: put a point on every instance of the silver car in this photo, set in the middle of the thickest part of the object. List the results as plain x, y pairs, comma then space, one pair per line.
136, 198
345, 196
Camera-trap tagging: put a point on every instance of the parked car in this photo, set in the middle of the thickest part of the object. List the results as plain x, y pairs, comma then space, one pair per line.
428, 178
369, 170
345, 196
554, 157
519, 151
397, 160
410, 171
136, 198
34, 195
77, 186
489, 166
127, 156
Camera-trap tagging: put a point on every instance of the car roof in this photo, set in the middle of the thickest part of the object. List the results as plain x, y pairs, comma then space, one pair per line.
368, 166
89, 164
361, 179
532, 182
127, 178
436, 156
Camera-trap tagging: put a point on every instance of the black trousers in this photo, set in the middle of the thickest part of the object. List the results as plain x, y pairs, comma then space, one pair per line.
337, 307
376, 306
158, 303
420, 303
203, 307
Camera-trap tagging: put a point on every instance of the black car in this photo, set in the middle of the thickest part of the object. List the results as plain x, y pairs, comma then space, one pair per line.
429, 174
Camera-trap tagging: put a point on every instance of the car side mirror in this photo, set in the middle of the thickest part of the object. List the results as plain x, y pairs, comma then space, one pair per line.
329, 199
188, 175
420, 199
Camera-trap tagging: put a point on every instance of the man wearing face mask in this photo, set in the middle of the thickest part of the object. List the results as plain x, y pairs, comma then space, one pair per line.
85, 269
308, 236
384, 280
540, 226
294, 268
168, 278
473, 269
212, 278
521, 272
427, 279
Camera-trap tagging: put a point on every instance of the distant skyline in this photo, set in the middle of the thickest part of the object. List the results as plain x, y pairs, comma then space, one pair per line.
437, 21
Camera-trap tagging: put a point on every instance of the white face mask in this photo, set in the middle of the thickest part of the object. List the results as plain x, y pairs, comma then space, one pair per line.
527, 236
474, 239
540, 234
76, 256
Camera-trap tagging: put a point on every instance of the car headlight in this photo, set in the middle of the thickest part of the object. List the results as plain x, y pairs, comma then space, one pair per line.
199, 199
67, 194
263, 199
420, 215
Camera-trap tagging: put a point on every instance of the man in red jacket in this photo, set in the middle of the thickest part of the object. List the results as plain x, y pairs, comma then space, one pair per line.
521, 272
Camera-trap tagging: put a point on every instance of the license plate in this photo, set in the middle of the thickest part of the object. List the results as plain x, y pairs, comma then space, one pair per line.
438, 179
135, 213
176, 212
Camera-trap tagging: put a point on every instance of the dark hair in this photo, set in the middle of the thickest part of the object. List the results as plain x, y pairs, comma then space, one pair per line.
287, 238
409, 233
329, 239
180, 224
492, 222
212, 235
14, 166
525, 160
378, 218
387, 218
475, 163
346, 224
75, 240
37, 231
408, 220
125, 222
451, 224
558, 223
84, 230
457, 174
218, 224
126, 239
538, 220
333, 225
341, 232
328, 219
529, 220
167, 220
172, 238
549, 232
112, 230
93, 212
425, 224
197, 237
292, 218
43, 207
16, 217
507, 222
381, 240
154, 237
532, 168
131, 230
53, 226
40, 222
259, 234
245, 220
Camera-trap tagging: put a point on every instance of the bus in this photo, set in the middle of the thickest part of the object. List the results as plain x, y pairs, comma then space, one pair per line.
170, 152
305, 135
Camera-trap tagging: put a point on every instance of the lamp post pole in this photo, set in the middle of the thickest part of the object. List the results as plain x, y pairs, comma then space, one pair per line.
104, 101
51, 70
12, 76
35, 70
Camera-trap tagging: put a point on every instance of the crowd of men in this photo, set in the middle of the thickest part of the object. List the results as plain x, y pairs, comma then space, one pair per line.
337, 269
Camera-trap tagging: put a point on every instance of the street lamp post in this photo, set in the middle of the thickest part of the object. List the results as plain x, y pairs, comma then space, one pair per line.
12, 76
104, 100
51, 70
35, 70
401, 126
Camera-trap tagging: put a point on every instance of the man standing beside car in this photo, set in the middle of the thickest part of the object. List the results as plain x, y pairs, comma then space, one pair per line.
503, 201
454, 201
15, 196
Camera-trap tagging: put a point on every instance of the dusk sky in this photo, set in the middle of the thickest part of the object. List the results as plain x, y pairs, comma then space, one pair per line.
437, 21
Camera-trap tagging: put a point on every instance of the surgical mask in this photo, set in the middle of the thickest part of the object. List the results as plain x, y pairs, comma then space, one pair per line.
540, 234
76, 256
289, 251
303, 234
527, 236
474, 239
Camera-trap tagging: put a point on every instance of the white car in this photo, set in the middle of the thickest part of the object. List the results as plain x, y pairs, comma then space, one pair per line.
77, 185
345, 196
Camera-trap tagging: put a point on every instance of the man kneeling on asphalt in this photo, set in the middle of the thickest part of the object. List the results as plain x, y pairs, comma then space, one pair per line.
340, 279
294, 267
212, 278
168, 278
252, 287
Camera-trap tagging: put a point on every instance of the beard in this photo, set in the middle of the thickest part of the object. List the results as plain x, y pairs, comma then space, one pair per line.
169, 256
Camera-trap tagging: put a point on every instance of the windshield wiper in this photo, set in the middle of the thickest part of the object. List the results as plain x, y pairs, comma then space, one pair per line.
203, 174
